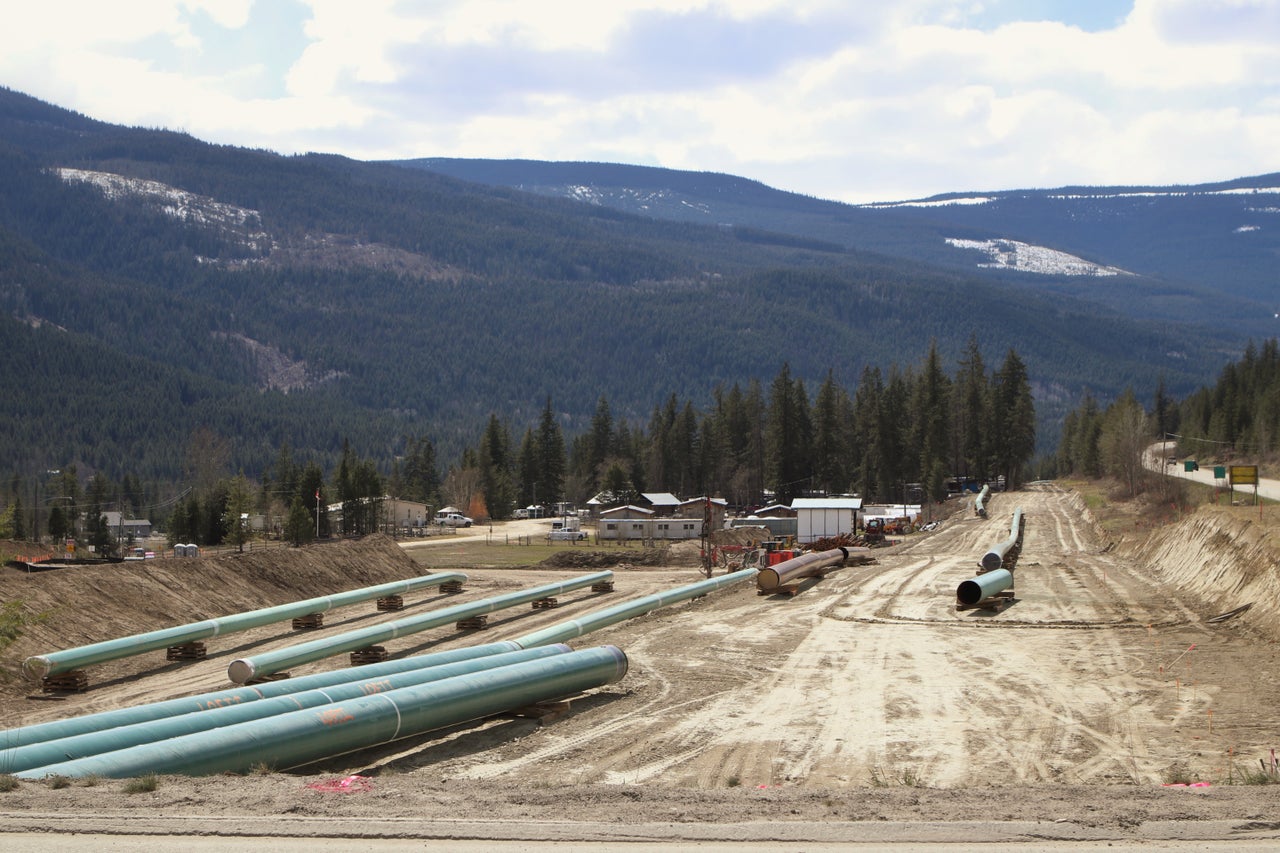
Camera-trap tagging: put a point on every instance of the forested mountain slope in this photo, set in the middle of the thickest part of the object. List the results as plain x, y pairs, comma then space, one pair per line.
1202, 255
153, 285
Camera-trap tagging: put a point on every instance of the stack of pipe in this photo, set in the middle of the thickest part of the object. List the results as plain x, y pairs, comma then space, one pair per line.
243, 670
365, 707
26, 754
298, 737
55, 663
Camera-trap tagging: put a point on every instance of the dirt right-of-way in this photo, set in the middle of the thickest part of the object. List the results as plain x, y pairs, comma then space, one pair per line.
1100, 672
865, 697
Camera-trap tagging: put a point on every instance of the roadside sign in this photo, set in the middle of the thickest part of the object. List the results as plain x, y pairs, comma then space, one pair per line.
1244, 475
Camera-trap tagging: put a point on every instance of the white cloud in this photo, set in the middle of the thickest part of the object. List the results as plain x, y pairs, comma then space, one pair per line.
854, 101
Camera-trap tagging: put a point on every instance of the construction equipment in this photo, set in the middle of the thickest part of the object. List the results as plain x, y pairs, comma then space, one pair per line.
899, 526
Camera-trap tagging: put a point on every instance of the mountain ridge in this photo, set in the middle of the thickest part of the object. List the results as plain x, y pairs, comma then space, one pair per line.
1095, 224
419, 304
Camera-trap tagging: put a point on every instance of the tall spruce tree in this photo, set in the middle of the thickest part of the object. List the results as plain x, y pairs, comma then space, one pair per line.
932, 409
789, 437
496, 464
1014, 420
832, 444
972, 407
551, 457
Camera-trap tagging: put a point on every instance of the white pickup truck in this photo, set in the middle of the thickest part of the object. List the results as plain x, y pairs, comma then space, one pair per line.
453, 519
566, 530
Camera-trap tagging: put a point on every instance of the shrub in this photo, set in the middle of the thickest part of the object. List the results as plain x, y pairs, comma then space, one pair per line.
142, 784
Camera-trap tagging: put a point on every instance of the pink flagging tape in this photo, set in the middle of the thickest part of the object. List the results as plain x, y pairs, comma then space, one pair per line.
349, 785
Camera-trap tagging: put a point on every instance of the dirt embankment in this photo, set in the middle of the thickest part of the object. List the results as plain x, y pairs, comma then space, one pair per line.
64, 608
1223, 557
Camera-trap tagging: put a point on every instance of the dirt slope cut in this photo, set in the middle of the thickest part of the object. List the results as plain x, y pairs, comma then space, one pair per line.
1221, 558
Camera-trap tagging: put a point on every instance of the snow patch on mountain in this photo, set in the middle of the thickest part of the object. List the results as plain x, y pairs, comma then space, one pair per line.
1024, 257
240, 223
1079, 196
938, 202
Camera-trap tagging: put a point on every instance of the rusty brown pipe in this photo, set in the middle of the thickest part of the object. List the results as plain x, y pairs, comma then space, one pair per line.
804, 566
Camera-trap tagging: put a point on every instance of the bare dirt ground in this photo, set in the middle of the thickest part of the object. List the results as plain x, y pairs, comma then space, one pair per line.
864, 708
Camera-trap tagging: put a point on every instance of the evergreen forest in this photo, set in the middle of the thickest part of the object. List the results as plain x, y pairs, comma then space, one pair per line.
191, 329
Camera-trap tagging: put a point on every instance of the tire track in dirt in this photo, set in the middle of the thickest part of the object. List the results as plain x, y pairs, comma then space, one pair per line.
871, 676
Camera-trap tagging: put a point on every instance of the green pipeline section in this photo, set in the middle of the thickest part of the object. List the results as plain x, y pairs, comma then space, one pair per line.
244, 670
103, 720
980, 502
628, 609
139, 716
39, 666
295, 738
36, 755
983, 586
1007, 551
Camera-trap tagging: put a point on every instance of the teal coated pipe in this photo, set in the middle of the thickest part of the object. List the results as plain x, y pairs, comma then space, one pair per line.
103, 720
980, 502
39, 666
31, 756
247, 669
300, 737
638, 607
994, 558
983, 586
202, 702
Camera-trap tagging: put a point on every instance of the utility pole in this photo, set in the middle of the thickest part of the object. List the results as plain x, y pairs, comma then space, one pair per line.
707, 561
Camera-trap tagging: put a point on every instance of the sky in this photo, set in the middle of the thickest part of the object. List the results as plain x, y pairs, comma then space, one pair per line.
852, 100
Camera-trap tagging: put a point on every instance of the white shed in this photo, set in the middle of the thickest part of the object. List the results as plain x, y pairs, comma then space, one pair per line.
818, 518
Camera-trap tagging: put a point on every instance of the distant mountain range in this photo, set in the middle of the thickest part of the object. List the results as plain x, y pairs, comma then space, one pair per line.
155, 287
1203, 255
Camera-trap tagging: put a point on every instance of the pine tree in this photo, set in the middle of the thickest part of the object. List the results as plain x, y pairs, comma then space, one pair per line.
237, 507
972, 407
1014, 424
599, 443
867, 444
832, 450
551, 457
932, 406
299, 528
421, 479
789, 436
495, 464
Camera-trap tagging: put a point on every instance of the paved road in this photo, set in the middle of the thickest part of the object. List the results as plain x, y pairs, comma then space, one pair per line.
1158, 454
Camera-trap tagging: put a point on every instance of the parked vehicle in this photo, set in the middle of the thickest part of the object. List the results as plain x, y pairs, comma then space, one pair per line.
453, 519
565, 534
